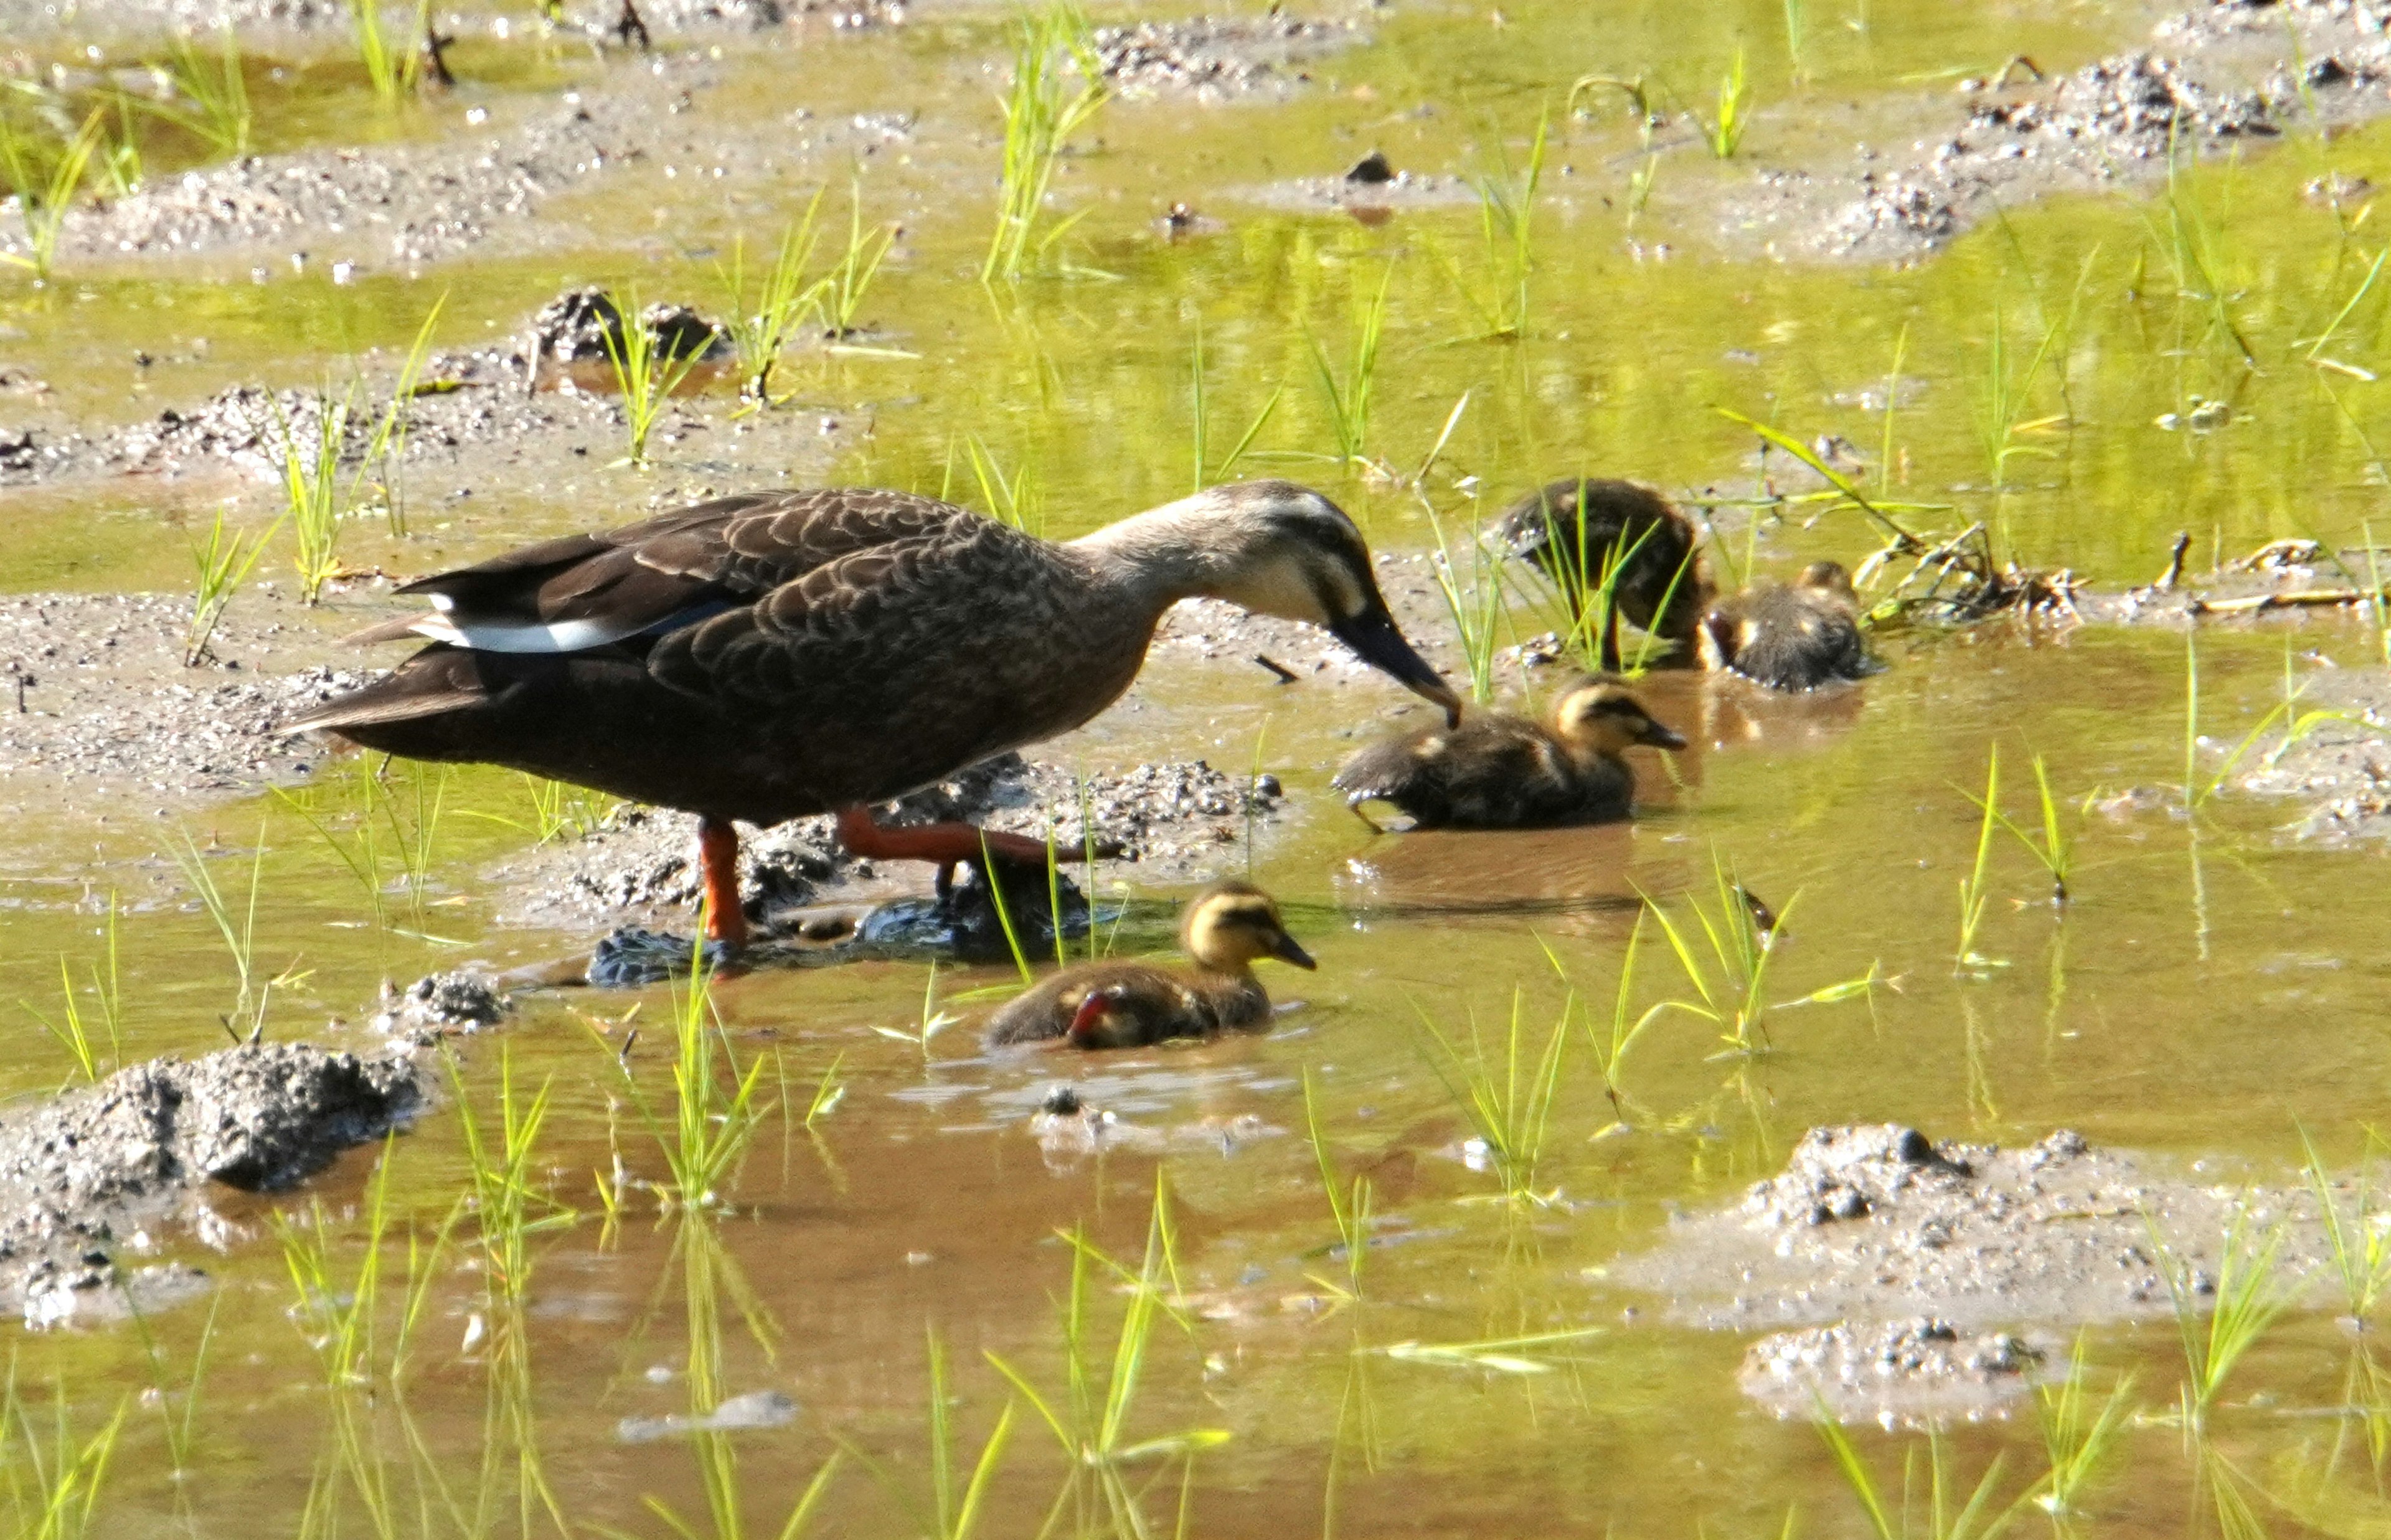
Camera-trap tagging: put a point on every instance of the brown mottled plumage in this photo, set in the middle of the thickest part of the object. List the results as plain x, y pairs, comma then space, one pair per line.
770, 655
1578, 528
1496, 771
1789, 637
1125, 1004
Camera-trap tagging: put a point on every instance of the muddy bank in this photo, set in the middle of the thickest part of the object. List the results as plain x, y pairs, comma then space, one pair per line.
1213, 58
101, 1173
2338, 771
1909, 1280
2208, 80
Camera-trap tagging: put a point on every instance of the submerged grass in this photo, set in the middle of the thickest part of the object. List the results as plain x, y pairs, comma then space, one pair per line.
54, 1476
1952, 1510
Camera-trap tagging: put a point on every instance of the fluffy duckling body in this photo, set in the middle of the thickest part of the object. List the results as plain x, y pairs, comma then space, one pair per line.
1228, 928
1789, 637
1497, 771
1577, 529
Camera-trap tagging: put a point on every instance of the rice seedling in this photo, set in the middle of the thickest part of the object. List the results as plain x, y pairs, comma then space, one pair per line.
955, 1510
386, 446
220, 567
1587, 587
1349, 1202
393, 69
1090, 1417
2052, 845
56, 1478
829, 1091
646, 374
1507, 1099
2001, 420
393, 837
716, 1108
1973, 1517
1474, 598
1506, 209
340, 1315
1884, 458
1041, 111
217, 90
1975, 894
312, 492
2357, 1235
176, 1424
118, 157
1348, 397
1018, 500
1877, 513
850, 278
45, 192
2314, 355
1626, 1025
2242, 1301
509, 1201
2297, 725
246, 1021
933, 1020
1205, 472
1724, 133
72, 1031
2078, 1434
559, 809
761, 326
1730, 973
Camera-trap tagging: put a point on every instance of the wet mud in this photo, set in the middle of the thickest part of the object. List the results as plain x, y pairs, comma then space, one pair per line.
1905, 1279
96, 1178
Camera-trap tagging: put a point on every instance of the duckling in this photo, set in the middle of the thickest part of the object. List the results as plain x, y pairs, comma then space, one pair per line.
1127, 1004
1496, 771
1577, 528
1789, 637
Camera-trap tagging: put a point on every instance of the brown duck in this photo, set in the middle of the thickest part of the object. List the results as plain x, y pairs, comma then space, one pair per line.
1789, 637
771, 655
1580, 530
1496, 771
1229, 927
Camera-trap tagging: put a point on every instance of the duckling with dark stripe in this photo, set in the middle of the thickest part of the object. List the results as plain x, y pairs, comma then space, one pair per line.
1228, 928
1497, 771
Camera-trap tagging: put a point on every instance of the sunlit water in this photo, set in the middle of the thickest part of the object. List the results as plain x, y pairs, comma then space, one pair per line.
2208, 991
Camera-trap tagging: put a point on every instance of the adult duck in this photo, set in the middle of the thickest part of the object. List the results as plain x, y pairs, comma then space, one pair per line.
771, 655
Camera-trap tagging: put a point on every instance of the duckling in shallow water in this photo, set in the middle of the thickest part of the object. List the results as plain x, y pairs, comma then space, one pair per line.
1496, 771
1789, 637
1578, 528
1125, 1004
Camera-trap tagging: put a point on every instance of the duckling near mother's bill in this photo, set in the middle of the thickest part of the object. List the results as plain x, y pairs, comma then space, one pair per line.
1580, 529
1789, 637
1496, 771
1228, 926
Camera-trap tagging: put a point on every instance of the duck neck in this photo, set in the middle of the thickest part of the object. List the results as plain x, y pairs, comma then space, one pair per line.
1163, 554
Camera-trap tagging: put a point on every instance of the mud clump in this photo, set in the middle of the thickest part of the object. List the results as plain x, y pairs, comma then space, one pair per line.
585, 325
1214, 55
1922, 1369
440, 1004
1870, 1230
98, 1167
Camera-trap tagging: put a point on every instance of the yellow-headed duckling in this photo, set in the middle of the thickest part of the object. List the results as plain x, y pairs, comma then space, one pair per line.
1579, 529
1496, 771
1789, 637
1228, 928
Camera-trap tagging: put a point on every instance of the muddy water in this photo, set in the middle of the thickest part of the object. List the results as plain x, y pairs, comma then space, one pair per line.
2207, 992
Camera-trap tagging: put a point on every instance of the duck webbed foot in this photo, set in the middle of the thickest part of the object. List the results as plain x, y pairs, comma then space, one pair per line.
948, 843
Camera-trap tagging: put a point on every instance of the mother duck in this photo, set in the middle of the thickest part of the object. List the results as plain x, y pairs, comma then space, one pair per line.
770, 655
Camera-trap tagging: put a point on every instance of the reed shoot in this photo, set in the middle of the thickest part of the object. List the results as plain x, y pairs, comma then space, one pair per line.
1473, 597
511, 1199
1506, 209
246, 1021
1891, 1517
1626, 1024
54, 1478
395, 68
72, 1030
386, 446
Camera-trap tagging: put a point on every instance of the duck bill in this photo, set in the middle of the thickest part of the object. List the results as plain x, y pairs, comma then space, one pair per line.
1287, 951
1375, 640
1660, 737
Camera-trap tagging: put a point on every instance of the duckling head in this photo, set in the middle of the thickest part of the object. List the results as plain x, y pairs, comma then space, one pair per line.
1829, 577
1233, 924
1276, 548
1605, 719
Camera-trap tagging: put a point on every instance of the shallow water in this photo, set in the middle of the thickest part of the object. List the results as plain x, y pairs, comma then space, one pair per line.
2208, 991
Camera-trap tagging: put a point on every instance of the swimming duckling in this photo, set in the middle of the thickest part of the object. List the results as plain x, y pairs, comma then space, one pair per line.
1127, 1004
1577, 528
1789, 637
1496, 771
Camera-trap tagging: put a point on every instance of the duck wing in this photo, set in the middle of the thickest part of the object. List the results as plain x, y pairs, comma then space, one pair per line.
588, 591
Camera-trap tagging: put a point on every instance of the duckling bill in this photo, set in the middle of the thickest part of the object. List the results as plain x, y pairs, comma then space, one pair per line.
1228, 928
1789, 637
1498, 771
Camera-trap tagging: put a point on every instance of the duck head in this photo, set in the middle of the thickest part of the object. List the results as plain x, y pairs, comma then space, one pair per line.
1829, 577
1232, 925
1276, 548
1605, 718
